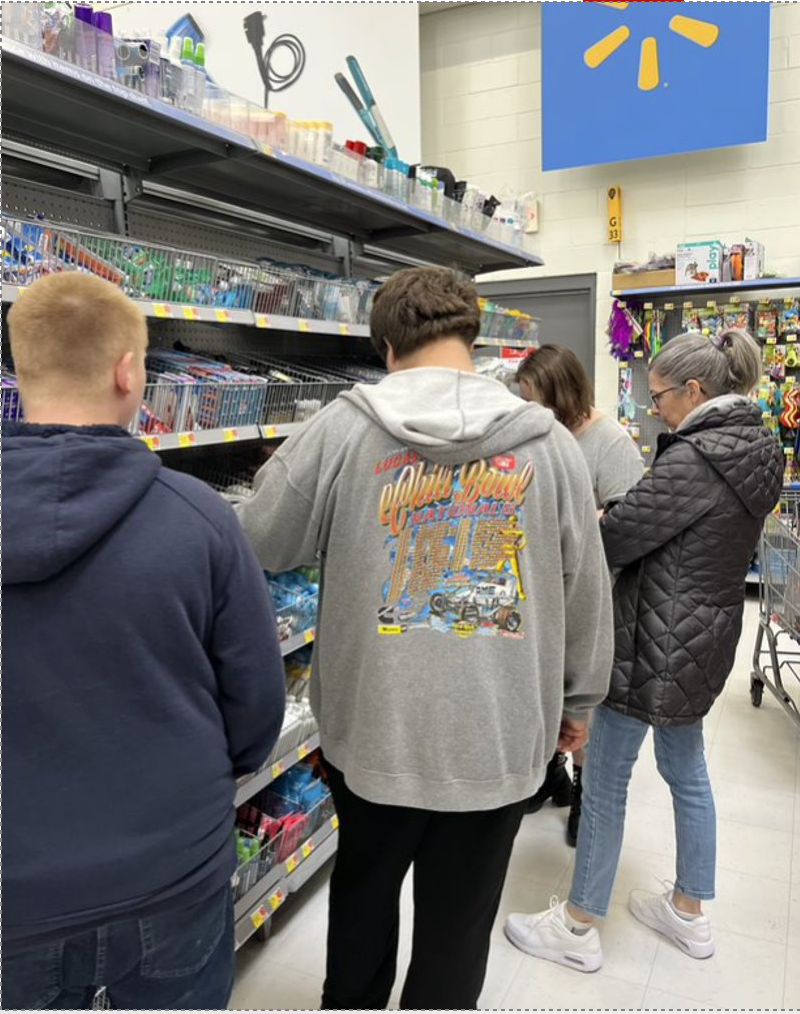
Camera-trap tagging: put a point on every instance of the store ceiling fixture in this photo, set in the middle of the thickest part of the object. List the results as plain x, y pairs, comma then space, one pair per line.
702, 33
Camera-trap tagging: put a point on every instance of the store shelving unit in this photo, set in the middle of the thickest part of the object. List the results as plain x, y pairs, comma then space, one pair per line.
757, 287
93, 154
255, 908
55, 103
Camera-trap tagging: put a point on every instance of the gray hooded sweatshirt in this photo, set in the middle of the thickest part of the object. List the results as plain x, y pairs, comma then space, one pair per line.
466, 602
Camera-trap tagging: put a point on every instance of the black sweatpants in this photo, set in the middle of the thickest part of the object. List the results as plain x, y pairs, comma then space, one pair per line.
460, 862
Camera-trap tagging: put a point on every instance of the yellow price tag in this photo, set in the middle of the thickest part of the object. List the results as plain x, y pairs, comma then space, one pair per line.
307, 848
152, 442
791, 337
303, 325
259, 917
277, 770
335, 822
262, 321
344, 330
309, 636
772, 341
190, 312
647, 450
647, 306
277, 900
688, 306
268, 151
270, 433
638, 354
162, 310
669, 306
623, 366
303, 751
223, 316
292, 863
186, 439
230, 436
711, 304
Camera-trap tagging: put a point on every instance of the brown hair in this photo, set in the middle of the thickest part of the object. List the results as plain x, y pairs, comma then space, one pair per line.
419, 306
68, 331
560, 382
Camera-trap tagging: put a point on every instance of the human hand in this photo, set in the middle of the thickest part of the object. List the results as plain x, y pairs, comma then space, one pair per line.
573, 735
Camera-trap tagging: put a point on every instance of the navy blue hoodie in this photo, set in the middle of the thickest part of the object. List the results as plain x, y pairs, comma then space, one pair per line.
142, 674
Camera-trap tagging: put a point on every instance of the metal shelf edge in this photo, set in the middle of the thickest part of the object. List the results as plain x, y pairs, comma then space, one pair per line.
200, 438
297, 642
262, 779
323, 851
725, 288
261, 911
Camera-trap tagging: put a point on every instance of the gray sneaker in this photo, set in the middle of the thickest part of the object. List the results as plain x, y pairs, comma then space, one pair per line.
692, 936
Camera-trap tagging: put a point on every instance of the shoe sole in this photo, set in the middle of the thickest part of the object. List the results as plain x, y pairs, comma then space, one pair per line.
701, 952
580, 962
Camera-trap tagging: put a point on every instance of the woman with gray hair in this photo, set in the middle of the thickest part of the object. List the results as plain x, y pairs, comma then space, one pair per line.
682, 540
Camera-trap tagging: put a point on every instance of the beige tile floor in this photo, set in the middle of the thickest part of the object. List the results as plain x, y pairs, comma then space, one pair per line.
754, 757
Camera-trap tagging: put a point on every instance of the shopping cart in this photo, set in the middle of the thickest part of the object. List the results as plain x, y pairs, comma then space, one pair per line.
776, 659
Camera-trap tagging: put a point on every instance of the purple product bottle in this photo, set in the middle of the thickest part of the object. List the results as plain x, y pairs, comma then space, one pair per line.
85, 44
106, 57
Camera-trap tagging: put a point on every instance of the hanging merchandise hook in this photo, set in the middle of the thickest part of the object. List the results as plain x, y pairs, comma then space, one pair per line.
274, 79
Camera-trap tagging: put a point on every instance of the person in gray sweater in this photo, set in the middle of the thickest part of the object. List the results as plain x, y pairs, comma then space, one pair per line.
465, 629
555, 377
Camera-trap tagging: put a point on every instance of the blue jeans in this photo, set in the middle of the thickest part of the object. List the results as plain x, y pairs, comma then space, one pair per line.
178, 960
612, 752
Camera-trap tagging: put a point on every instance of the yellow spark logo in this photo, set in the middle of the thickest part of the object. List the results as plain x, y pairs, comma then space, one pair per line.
702, 33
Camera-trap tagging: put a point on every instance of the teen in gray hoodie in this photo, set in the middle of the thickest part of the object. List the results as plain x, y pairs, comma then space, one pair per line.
465, 619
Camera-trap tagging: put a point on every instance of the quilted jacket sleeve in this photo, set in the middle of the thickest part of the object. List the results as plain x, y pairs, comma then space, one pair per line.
667, 501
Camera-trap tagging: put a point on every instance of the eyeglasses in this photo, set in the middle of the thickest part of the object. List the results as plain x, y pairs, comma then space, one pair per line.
656, 398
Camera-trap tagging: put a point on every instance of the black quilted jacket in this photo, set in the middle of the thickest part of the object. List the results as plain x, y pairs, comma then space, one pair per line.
684, 538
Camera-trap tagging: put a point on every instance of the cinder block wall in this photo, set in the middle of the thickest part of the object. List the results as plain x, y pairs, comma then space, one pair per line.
481, 115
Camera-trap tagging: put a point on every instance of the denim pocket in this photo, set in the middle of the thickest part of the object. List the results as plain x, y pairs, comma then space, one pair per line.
32, 980
180, 943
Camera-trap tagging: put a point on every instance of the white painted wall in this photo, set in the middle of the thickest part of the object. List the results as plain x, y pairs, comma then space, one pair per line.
384, 37
481, 115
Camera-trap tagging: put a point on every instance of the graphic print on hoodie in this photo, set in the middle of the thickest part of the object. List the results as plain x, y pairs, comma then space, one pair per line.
454, 537
426, 498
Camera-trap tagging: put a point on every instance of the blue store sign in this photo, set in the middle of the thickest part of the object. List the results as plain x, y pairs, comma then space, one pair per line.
636, 80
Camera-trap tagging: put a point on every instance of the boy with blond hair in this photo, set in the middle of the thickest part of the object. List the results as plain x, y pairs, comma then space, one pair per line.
142, 675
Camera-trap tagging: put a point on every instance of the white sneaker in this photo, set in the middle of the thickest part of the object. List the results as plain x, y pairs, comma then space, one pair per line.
547, 935
693, 936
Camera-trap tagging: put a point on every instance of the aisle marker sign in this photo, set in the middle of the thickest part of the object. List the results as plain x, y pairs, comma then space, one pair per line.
615, 234
637, 80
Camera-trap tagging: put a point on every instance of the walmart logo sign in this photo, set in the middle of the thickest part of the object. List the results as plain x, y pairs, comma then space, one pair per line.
636, 80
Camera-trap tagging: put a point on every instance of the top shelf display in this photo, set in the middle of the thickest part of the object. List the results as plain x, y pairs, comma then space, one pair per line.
49, 102
721, 289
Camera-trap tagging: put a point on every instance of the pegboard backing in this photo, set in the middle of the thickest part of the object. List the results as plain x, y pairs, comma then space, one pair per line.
650, 426
24, 198
172, 230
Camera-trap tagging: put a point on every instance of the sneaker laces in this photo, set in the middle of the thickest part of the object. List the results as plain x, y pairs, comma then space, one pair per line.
533, 920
